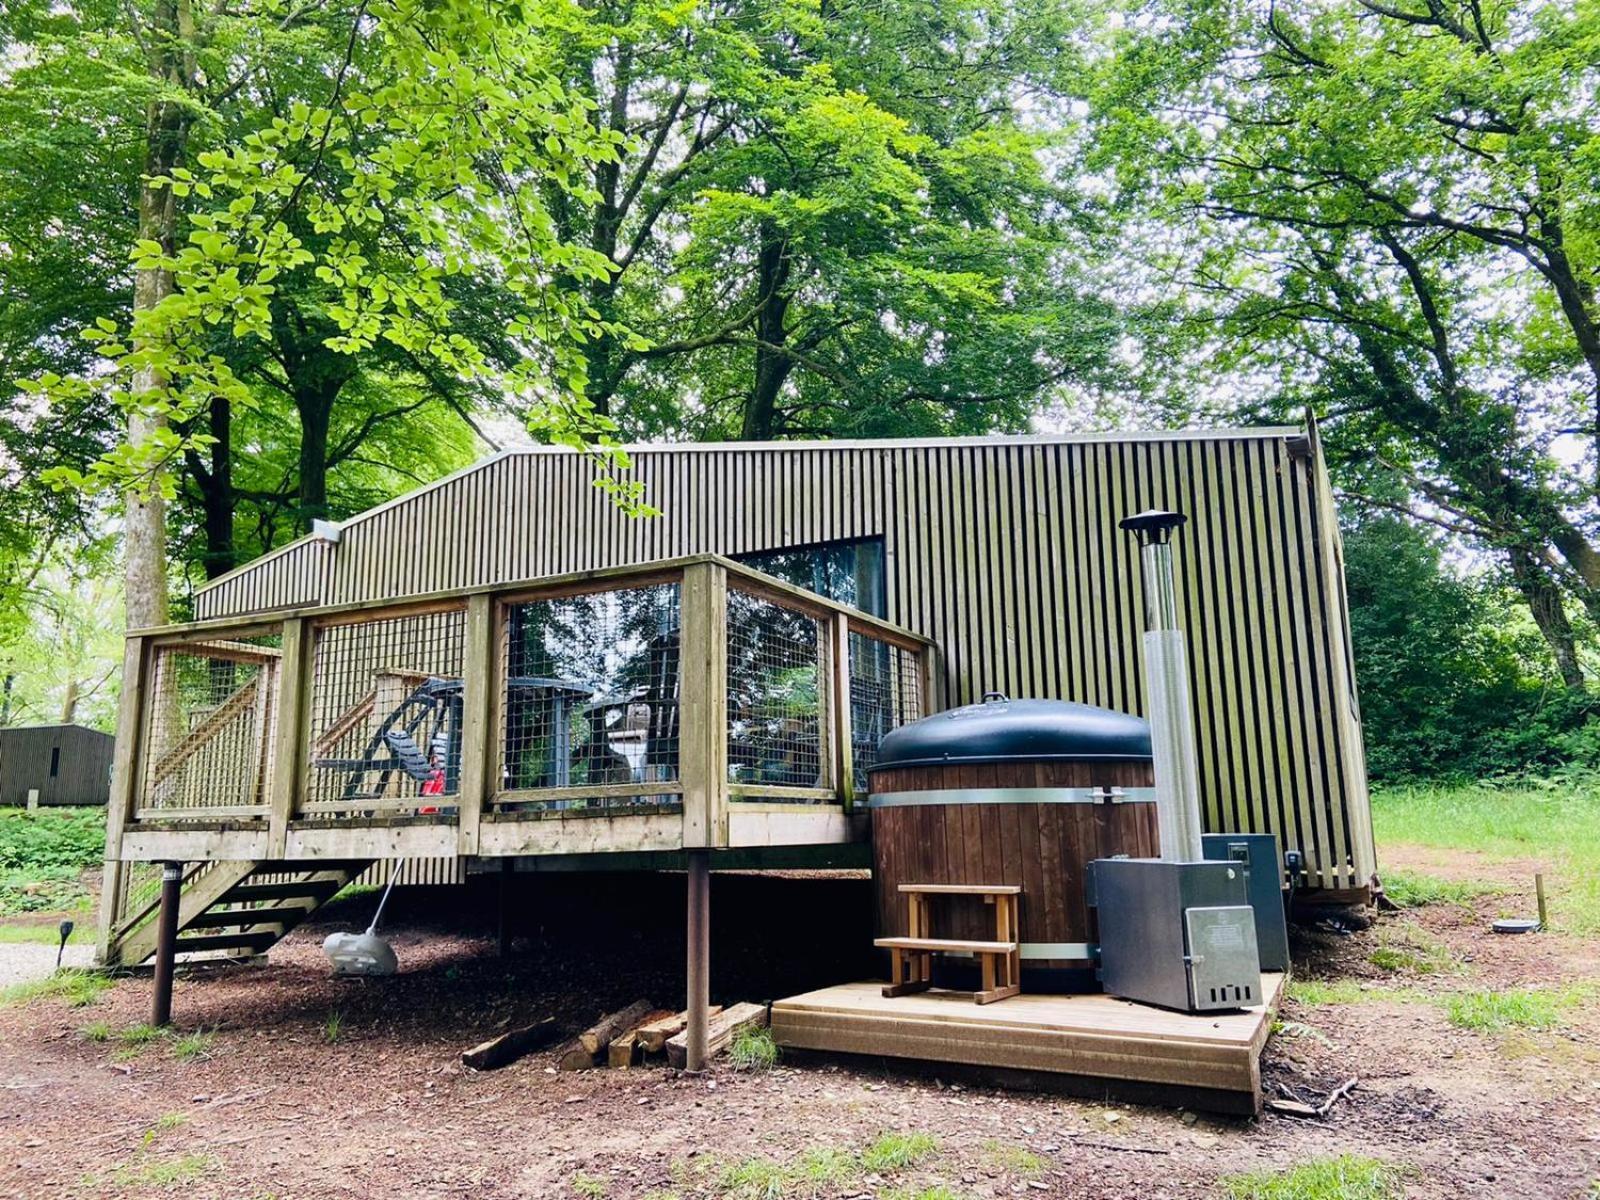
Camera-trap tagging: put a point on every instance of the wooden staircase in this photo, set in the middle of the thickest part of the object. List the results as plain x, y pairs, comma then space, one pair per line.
241, 909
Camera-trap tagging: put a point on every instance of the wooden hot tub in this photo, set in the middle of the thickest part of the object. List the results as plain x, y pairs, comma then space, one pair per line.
1022, 793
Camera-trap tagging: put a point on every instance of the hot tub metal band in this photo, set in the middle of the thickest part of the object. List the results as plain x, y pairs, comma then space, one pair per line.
1034, 795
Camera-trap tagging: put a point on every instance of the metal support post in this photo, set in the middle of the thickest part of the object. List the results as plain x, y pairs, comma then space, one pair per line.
699, 924
166, 943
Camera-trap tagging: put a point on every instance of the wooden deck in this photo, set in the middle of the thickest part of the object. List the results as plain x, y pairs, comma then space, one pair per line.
647, 711
1091, 1044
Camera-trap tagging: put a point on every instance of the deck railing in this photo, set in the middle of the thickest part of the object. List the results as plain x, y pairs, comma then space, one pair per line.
689, 685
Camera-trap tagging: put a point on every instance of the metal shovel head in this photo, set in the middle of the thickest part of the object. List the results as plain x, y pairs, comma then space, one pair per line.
360, 954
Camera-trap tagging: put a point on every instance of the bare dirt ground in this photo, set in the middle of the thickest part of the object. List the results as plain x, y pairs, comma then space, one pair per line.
318, 1087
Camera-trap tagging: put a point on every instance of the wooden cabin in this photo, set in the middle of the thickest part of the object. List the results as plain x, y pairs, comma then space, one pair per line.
503, 665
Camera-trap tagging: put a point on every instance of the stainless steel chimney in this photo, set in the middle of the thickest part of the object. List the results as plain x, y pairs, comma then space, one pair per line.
1167, 669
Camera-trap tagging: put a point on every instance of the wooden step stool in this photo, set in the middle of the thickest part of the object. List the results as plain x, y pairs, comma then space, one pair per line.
911, 958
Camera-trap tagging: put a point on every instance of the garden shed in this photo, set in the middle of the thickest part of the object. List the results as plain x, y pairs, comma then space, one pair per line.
64, 764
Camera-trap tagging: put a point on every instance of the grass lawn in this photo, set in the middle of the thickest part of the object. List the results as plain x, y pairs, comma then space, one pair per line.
1557, 822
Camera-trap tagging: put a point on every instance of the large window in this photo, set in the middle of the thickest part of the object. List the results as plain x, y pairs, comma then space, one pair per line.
849, 572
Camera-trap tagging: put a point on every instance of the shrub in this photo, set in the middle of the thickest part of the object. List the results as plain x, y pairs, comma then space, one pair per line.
52, 839
1455, 680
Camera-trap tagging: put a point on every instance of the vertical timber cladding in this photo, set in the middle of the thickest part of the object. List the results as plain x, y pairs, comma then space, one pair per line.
1005, 552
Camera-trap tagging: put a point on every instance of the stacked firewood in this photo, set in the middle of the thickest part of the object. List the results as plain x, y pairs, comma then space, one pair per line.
639, 1034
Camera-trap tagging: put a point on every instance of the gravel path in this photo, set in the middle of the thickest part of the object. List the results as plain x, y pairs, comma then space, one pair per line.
22, 961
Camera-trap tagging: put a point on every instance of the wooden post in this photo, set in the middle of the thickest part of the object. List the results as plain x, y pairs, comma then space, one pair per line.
932, 681
166, 943
478, 706
287, 782
124, 794
703, 705
843, 764
699, 923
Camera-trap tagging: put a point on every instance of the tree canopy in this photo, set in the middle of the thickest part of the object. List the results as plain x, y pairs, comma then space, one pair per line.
1386, 214
267, 263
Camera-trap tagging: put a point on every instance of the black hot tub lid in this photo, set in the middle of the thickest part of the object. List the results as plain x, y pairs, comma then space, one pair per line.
1004, 730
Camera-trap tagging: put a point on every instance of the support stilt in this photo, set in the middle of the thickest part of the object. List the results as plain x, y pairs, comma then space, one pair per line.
166, 943
699, 923
505, 907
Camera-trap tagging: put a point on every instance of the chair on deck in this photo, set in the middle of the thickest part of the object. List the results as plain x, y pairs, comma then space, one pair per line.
394, 746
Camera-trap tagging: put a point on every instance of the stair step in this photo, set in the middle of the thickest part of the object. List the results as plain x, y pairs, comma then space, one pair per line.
946, 945
308, 866
219, 918
225, 941
312, 889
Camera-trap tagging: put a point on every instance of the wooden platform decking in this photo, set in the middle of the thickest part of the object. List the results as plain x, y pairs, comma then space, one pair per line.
1092, 1044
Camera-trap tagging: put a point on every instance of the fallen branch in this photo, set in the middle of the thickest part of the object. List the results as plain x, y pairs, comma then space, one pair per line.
1114, 1146
1298, 1108
238, 1097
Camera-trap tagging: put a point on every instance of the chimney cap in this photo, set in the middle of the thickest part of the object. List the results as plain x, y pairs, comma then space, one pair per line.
1154, 526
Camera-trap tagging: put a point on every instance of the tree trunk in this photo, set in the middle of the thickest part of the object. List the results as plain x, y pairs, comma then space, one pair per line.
600, 351
6, 689
217, 498
69, 703
316, 414
166, 133
1544, 600
773, 364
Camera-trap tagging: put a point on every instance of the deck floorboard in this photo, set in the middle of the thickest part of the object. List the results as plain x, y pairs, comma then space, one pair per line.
1095, 1037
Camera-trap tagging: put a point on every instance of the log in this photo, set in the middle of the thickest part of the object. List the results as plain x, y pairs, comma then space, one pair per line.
624, 1050
653, 1035
576, 1058
511, 1045
720, 1032
598, 1036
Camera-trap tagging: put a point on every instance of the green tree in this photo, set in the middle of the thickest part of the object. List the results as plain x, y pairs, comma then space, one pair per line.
345, 217
1386, 212
60, 664
832, 219
1453, 678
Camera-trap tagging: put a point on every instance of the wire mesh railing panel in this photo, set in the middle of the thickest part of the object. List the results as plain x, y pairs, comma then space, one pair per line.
386, 711
777, 723
209, 727
885, 693
590, 700
140, 894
